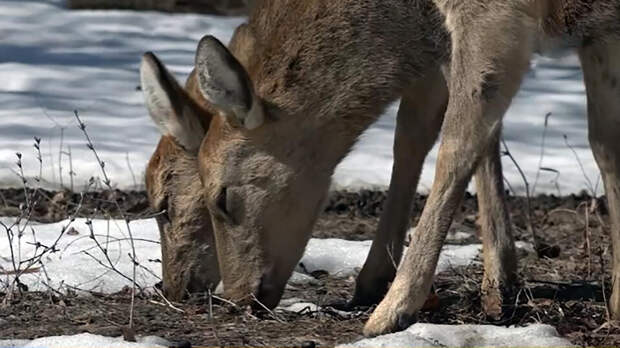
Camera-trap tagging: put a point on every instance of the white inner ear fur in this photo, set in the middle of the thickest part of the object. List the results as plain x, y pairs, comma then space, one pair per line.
156, 99
225, 86
253, 118
184, 125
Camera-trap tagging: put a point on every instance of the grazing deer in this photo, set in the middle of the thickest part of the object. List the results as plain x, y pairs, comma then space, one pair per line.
189, 259
295, 156
303, 79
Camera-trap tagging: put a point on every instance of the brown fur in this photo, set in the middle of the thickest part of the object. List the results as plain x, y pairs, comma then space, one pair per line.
322, 71
492, 44
189, 258
289, 58
189, 254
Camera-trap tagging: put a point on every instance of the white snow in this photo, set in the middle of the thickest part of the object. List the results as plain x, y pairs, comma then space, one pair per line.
77, 264
430, 335
418, 335
343, 258
301, 279
86, 340
54, 61
552, 86
336, 256
297, 305
72, 267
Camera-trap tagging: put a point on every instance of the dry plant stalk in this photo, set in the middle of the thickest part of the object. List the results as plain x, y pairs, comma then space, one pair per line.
107, 182
528, 215
22, 223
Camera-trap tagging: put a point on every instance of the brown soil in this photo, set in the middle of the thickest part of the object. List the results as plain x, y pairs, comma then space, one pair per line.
563, 288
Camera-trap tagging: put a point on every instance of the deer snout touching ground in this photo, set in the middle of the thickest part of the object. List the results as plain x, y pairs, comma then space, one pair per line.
189, 258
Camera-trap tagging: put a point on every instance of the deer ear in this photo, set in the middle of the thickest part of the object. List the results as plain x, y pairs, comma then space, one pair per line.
243, 43
224, 82
168, 105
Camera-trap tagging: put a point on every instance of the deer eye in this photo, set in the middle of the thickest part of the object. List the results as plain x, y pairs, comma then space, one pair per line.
220, 202
163, 211
224, 205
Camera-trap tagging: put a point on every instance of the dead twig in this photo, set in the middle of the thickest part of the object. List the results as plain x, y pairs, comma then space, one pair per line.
602, 261
542, 153
528, 217
273, 315
89, 144
589, 184
168, 305
133, 175
167, 302
107, 182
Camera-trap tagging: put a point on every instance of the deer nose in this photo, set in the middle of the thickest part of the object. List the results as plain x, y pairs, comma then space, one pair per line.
269, 293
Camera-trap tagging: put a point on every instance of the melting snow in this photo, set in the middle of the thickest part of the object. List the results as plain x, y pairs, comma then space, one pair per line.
54, 61
75, 265
429, 335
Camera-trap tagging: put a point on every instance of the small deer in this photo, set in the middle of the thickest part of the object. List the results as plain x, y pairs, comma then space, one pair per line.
303, 79
189, 258
173, 183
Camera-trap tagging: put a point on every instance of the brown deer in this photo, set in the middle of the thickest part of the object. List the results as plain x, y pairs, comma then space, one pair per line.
305, 78
189, 259
183, 115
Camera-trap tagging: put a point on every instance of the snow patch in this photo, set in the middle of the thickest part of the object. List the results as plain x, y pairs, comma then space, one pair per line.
430, 335
72, 266
300, 279
343, 258
297, 305
88, 60
77, 263
418, 335
87, 341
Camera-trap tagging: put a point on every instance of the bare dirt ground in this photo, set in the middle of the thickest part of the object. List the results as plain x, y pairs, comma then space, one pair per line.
565, 287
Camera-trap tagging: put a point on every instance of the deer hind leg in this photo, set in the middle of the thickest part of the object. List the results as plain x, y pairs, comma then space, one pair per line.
489, 57
500, 263
601, 67
418, 123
